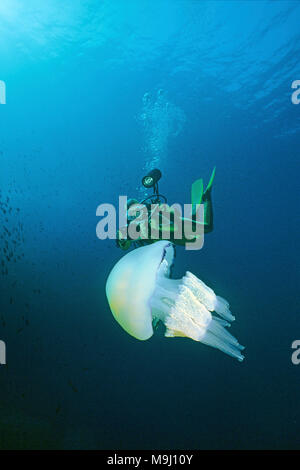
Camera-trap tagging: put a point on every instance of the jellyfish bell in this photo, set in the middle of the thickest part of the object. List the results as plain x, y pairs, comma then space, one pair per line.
130, 287
140, 291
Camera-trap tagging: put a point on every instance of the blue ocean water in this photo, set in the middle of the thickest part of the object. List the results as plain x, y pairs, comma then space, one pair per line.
76, 131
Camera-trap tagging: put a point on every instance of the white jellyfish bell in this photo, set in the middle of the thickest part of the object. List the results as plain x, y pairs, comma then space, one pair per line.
140, 292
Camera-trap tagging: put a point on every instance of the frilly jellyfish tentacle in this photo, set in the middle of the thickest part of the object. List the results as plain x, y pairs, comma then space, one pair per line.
184, 315
140, 292
207, 296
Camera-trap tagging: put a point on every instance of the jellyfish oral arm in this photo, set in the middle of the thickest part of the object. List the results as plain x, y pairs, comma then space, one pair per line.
185, 306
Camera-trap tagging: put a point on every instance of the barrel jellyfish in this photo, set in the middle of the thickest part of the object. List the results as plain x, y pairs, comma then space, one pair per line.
140, 293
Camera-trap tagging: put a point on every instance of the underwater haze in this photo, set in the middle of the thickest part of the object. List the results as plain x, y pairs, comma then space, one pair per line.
96, 94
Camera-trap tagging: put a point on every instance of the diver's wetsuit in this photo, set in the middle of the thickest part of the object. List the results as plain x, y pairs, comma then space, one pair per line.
203, 198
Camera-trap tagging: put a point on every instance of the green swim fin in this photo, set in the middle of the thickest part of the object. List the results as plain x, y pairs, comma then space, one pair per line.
209, 186
197, 193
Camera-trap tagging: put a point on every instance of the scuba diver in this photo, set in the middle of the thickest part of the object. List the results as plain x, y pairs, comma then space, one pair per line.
162, 219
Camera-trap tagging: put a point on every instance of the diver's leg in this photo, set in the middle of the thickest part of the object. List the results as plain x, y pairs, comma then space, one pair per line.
198, 197
208, 212
208, 209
